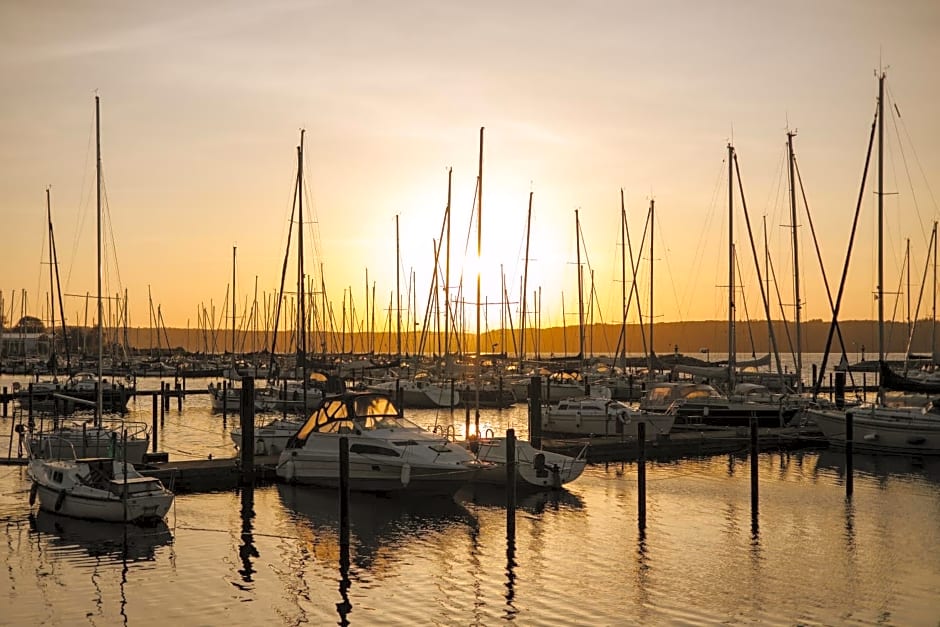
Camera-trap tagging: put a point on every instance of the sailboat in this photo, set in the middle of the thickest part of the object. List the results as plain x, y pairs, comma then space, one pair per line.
106, 488
878, 427
228, 398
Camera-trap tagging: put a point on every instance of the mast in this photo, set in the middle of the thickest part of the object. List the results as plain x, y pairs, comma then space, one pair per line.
623, 276
450, 174
301, 309
731, 311
881, 268
933, 327
479, 272
577, 240
796, 267
52, 357
652, 348
525, 282
234, 371
397, 291
99, 396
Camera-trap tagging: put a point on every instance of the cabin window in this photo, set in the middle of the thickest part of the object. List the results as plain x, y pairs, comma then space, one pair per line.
659, 394
339, 426
371, 449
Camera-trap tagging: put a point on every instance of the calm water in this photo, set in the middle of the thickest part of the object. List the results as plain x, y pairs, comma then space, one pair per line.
272, 555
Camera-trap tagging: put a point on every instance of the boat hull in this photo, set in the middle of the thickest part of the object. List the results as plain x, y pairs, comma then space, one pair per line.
535, 469
583, 423
140, 510
882, 430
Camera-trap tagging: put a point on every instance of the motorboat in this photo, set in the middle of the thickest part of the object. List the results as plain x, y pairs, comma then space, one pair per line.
96, 488
602, 416
419, 393
535, 469
270, 438
701, 403
561, 385
387, 452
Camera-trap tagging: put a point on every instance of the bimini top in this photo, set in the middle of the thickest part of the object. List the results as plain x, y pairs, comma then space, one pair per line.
353, 413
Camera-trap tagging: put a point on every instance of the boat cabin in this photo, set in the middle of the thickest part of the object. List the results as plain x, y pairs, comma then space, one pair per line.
354, 413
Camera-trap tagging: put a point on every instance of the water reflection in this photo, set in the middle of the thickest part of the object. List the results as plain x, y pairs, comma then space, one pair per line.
247, 550
882, 467
113, 541
379, 525
531, 502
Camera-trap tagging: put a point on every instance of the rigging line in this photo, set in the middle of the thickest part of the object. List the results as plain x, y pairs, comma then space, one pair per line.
920, 166
783, 313
907, 169
822, 269
920, 295
747, 315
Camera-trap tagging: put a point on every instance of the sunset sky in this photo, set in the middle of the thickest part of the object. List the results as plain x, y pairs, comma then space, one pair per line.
202, 105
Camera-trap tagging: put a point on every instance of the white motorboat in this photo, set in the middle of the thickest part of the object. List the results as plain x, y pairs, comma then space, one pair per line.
270, 438
700, 403
96, 488
288, 398
537, 469
881, 429
603, 416
418, 392
387, 453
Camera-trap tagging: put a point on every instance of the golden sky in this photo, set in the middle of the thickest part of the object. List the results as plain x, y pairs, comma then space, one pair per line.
202, 103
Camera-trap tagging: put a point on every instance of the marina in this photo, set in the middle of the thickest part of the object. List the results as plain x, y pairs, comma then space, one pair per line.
274, 551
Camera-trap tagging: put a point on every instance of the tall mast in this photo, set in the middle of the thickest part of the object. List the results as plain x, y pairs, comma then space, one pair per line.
99, 397
731, 312
652, 349
450, 174
52, 358
234, 371
479, 273
881, 268
623, 276
933, 327
397, 291
577, 240
525, 282
301, 287
798, 305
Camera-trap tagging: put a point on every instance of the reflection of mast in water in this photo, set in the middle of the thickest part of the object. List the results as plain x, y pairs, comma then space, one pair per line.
247, 550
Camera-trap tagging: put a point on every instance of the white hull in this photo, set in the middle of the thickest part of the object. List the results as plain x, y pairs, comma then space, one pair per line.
882, 430
368, 474
72, 442
594, 416
419, 395
271, 438
534, 468
73, 488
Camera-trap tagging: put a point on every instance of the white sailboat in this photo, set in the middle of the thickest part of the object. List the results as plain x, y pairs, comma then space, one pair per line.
97, 488
877, 427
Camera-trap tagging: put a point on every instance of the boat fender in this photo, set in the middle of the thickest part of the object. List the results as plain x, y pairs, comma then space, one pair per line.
59, 500
32, 493
556, 477
405, 474
538, 464
289, 470
871, 437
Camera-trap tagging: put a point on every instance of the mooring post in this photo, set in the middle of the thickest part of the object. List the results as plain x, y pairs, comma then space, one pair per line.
466, 432
754, 467
154, 420
224, 402
641, 474
247, 417
452, 396
344, 492
166, 396
535, 412
162, 401
179, 398
6, 399
849, 445
30, 411
840, 389
511, 485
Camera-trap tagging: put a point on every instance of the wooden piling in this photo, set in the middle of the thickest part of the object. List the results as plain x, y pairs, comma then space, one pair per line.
840, 389
641, 475
224, 402
535, 412
162, 401
6, 400
29, 412
154, 419
849, 445
179, 398
247, 417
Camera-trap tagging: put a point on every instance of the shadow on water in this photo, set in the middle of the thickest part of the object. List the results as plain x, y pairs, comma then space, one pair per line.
247, 549
116, 541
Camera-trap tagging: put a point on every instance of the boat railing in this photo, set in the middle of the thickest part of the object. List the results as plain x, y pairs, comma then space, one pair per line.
674, 407
448, 431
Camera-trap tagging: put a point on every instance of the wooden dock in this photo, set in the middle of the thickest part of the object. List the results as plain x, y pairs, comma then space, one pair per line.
208, 475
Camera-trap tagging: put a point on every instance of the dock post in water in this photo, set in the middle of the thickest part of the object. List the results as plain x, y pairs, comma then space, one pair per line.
535, 412
224, 402
511, 485
162, 401
6, 400
344, 492
154, 420
29, 412
754, 466
247, 414
840, 389
641, 474
849, 445
179, 398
